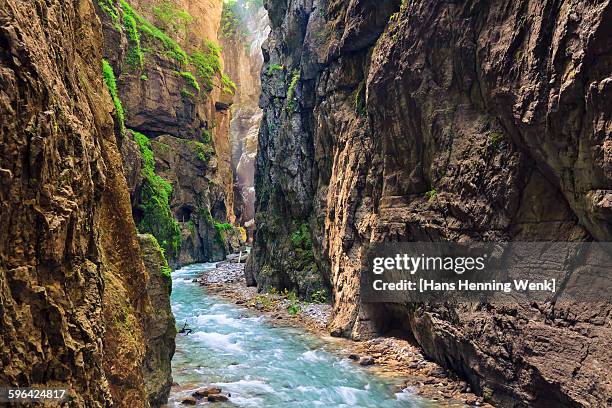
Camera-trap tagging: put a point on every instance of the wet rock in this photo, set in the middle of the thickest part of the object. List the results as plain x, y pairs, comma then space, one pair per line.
214, 390
366, 361
200, 393
217, 398
189, 401
353, 357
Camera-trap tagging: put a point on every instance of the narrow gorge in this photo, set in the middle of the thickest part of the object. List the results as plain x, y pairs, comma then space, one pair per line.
191, 192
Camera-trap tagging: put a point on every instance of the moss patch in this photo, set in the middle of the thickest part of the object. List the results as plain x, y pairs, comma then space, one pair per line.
111, 83
157, 218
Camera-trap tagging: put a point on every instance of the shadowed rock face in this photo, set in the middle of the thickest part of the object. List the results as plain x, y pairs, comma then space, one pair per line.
445, 121
71, 275
160, 329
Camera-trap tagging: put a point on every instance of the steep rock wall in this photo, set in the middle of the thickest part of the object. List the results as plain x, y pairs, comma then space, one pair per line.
392, 121
72, 310
243, 30
160, 100
160, 330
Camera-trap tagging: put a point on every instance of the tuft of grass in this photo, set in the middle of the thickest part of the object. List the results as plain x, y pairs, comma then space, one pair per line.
191, 80
273, 68
207, 63
229, 87
165, 269
431, 194
222, 228
295, 79
108, 7
495, 139
111, 83
359, 99
203, 151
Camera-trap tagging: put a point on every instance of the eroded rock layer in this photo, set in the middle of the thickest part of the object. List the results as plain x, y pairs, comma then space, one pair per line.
421, 120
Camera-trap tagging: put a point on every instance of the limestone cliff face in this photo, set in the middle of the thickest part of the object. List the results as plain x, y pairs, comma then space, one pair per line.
172, 94
442, 121
243, 31
72, 281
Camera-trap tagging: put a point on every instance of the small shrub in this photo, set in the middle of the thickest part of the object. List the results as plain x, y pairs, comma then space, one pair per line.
301, 238
319, 296
293, 309
203, 151
206, 136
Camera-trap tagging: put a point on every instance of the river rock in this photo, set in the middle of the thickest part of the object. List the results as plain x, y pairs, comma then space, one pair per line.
217, 398
366, 361
189, 401
353, 357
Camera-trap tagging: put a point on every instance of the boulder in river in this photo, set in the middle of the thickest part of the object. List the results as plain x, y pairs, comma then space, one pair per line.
204, 392
366, 361
217, 398
189, 401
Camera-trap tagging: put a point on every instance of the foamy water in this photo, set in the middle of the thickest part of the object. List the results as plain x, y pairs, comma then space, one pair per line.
265, 366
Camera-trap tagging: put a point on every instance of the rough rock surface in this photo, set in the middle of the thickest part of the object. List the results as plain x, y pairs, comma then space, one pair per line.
443, 121
160, 329
71, 277
160, 103
244, 60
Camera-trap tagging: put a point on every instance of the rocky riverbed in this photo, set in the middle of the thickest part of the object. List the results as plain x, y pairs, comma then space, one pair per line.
388, 356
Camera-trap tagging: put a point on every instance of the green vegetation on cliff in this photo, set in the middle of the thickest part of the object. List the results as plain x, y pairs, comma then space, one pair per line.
111, 83
172, 48
171, 18
207, 63
165, 269
157, 218
295, 79
135, 55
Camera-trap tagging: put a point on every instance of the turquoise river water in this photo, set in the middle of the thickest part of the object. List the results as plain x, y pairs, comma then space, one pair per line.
262, 365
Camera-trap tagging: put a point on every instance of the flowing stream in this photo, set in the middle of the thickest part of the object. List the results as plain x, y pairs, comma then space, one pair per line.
262, 365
